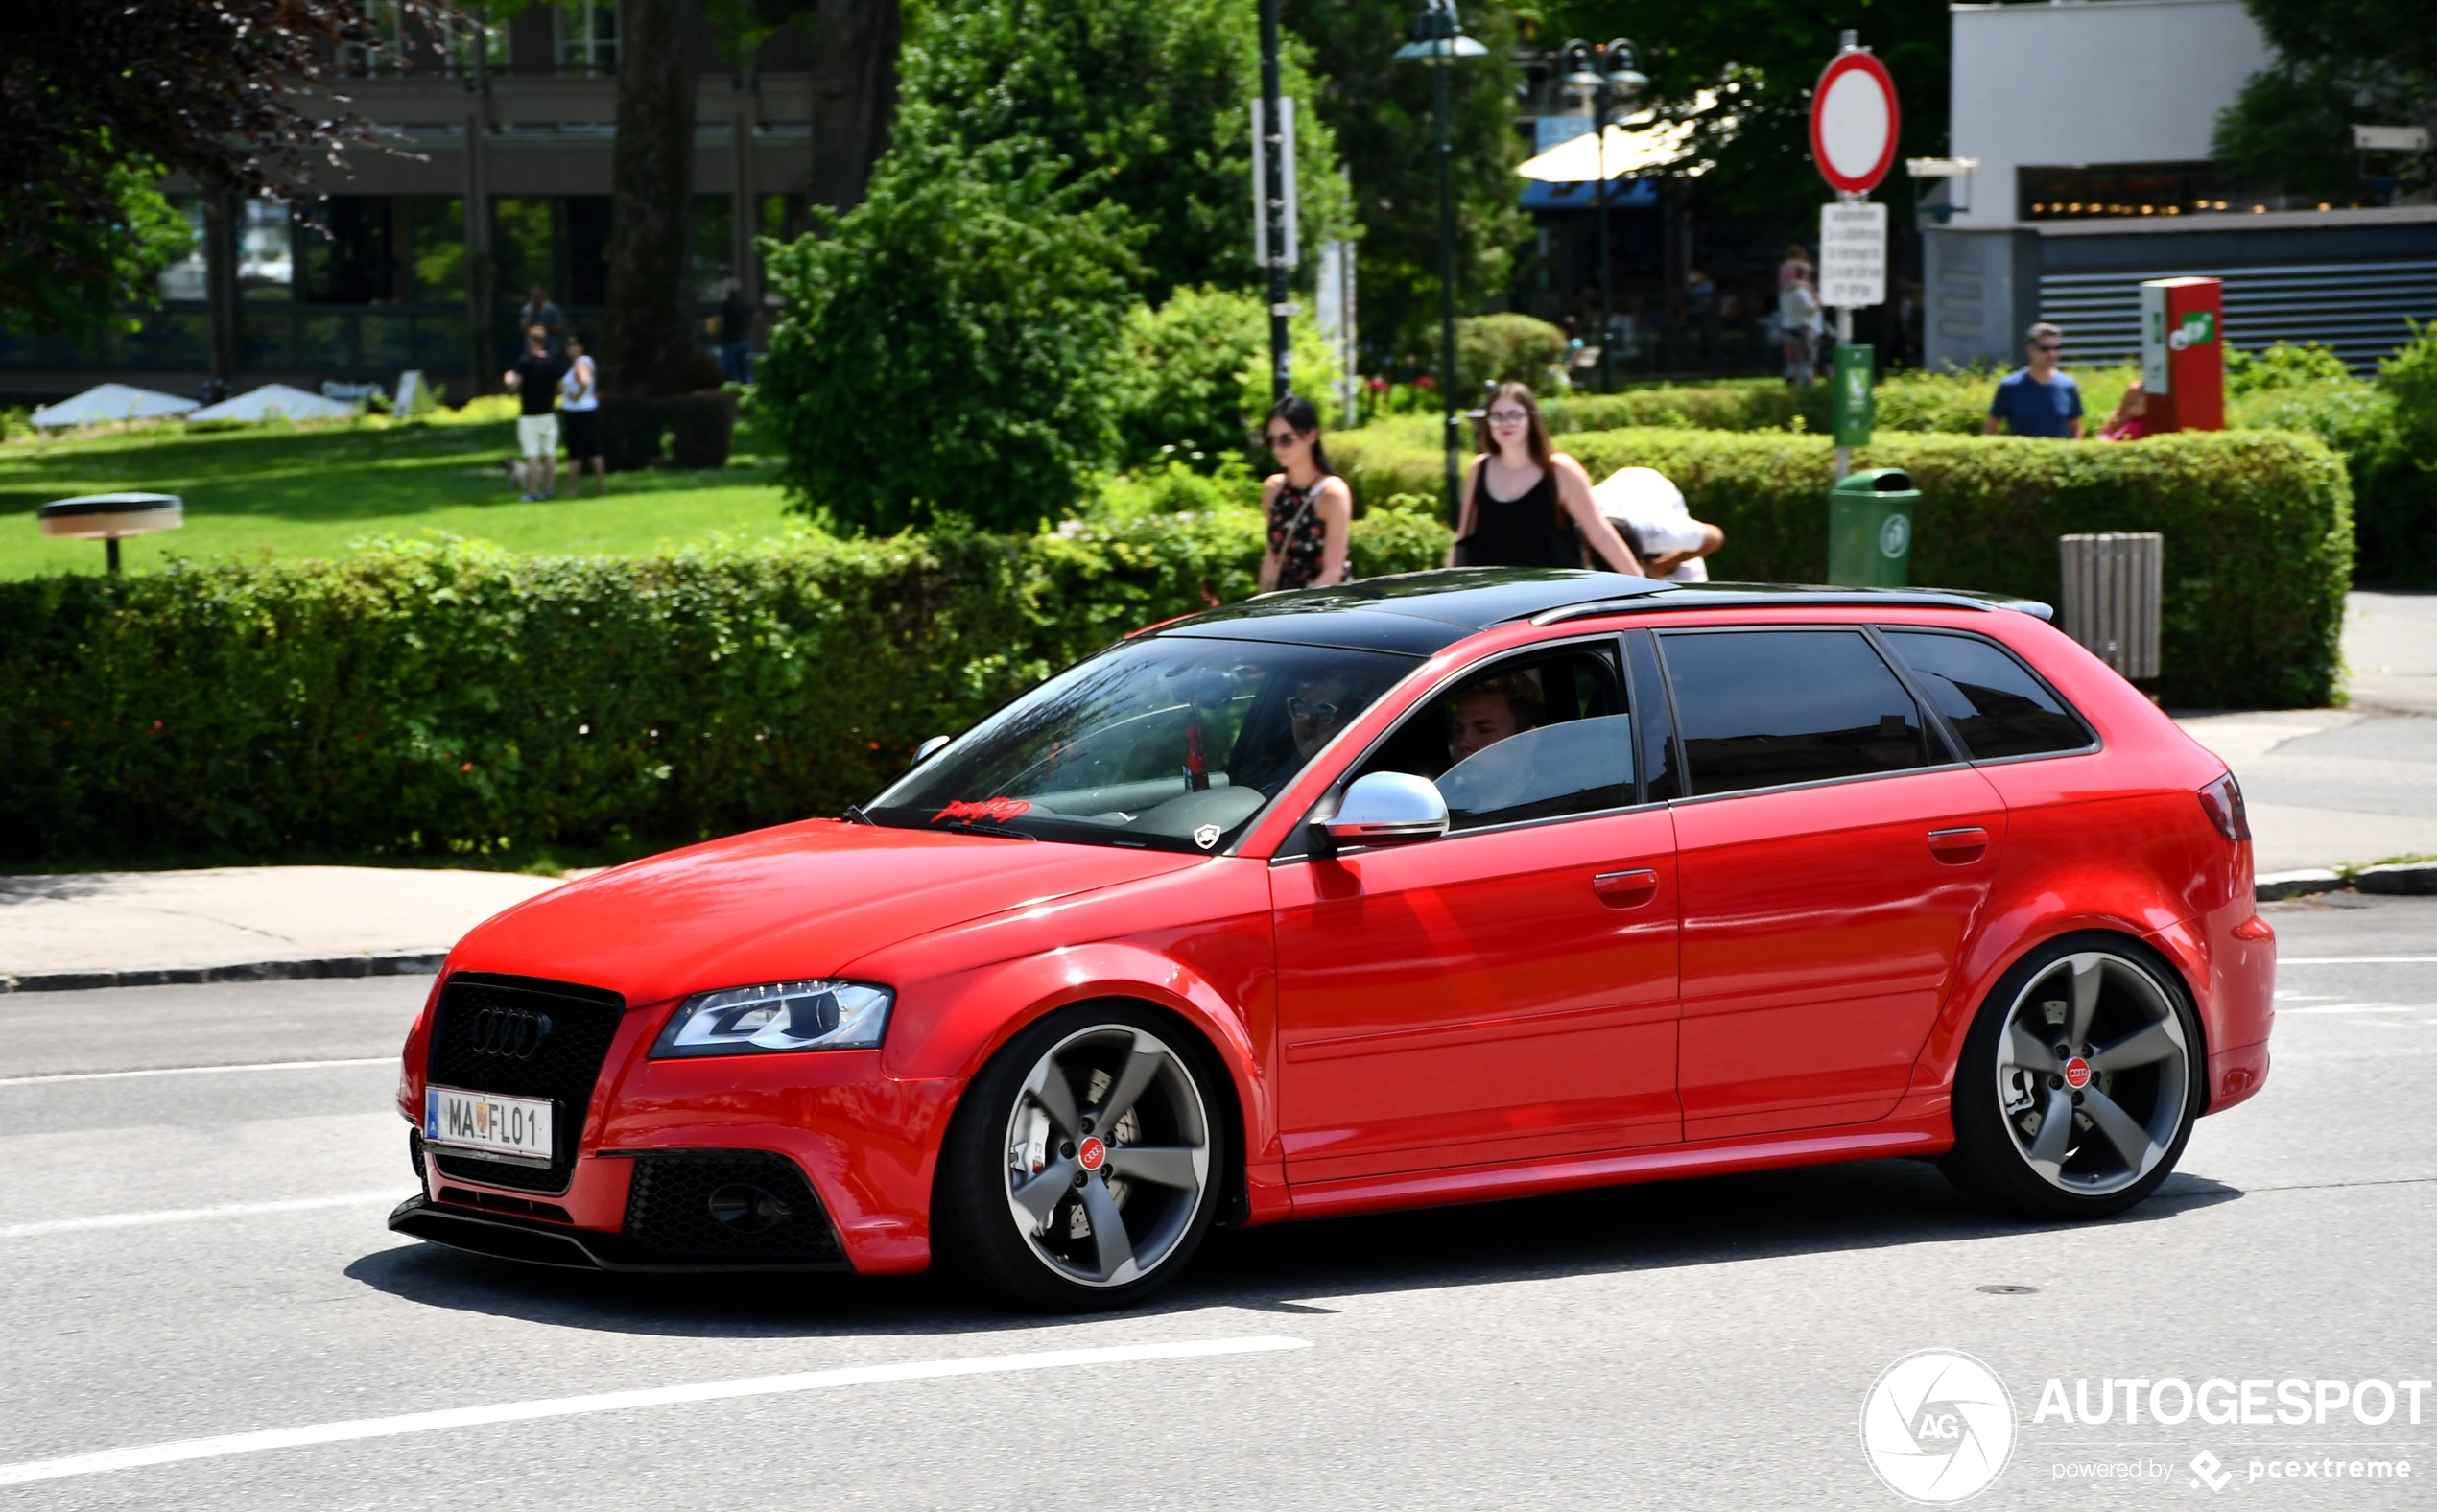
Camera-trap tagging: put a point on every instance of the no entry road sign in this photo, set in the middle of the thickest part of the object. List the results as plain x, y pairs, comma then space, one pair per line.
1853, 122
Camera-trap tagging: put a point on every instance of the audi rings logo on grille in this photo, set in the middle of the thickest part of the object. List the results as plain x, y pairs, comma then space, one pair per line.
512, 1032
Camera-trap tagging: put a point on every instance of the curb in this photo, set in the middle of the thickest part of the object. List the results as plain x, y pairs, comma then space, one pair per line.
2397, 879
392, 963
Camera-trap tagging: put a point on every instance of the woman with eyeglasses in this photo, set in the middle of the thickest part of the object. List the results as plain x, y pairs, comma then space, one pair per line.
1310, 509
1525, 504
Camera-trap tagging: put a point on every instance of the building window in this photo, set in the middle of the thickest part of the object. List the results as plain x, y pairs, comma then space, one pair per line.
187, 278
588, 37
2122, 190
266, 251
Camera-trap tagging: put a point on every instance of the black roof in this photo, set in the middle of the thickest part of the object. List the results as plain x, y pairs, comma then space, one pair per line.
1421, 613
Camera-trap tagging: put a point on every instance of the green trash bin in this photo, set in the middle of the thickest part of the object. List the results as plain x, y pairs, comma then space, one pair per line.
1870, 529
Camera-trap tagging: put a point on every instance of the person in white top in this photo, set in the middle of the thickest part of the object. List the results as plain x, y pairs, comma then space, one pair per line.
1799, 327
579, 416
1649, 510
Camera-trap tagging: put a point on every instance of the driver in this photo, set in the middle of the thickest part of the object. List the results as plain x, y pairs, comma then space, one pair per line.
1319, 708
1491, 709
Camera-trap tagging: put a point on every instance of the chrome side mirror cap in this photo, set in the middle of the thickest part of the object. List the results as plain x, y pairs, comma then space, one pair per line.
1387, 808
924, 751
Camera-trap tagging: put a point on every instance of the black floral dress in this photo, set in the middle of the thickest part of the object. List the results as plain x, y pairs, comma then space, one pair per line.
1297, 533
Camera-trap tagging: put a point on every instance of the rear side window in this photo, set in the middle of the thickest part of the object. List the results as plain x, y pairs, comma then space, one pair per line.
1991, 699
1765, 708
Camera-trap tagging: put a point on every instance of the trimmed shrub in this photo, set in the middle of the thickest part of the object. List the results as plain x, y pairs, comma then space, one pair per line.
457, 699
1508, 348
2258, 532
1709, 407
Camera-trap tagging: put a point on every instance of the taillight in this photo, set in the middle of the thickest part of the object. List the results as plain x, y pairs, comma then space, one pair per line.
2222, 801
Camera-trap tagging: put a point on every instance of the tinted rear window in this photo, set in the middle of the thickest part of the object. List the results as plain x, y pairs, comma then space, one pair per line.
1764, 708
1991, 699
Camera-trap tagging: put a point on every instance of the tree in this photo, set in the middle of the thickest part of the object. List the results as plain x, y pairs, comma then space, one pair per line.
1146, 100
99, 98
647, 337
1380, 113
2340, 63
950, 341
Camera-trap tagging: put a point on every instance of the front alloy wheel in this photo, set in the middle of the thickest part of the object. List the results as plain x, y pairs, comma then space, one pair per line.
2077, 1088
1082, 1169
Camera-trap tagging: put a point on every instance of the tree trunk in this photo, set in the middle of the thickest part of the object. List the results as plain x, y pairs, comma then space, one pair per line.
648, 344
854, 95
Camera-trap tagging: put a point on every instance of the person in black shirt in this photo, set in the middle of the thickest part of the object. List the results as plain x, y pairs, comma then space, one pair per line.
534, 381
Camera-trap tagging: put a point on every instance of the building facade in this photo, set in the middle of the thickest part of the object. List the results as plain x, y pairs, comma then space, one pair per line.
491, 175
2092, 123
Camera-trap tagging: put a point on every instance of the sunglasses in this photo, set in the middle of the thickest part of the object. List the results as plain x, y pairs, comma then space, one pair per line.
1325, 713
1282, 439
1507, 417
2048, 346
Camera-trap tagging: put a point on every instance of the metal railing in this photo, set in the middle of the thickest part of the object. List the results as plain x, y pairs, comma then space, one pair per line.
2113, 584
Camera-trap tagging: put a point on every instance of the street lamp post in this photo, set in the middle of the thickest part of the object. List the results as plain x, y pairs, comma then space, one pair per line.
1438, 40
1274, 169
1602, 76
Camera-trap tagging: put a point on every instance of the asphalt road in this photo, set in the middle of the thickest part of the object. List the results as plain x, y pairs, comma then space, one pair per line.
1695, 1345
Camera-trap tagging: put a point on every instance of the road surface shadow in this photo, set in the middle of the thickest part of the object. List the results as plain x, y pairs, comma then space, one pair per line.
1613, 1230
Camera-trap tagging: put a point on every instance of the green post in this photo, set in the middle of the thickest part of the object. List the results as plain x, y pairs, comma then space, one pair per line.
1870, 529
1849, 400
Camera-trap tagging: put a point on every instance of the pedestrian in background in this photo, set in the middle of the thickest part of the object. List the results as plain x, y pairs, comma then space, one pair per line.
579, 416
540, 311
1798, 326
2040, 400
534, 382
1526, 504
736, 334
1308, 508
2131, 419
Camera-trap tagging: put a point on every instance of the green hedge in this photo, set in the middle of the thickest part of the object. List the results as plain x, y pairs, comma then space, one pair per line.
2258, 524
459, 699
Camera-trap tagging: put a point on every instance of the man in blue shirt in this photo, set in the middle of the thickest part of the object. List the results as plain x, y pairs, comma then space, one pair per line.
2039, 400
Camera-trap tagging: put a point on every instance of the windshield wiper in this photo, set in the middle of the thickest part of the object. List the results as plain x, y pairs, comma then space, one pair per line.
984, 827
855, 814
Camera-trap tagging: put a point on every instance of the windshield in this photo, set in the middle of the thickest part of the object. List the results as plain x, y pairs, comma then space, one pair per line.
1173, 744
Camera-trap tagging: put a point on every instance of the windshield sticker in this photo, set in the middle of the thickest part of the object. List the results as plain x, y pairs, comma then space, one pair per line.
1206, 836
989, 811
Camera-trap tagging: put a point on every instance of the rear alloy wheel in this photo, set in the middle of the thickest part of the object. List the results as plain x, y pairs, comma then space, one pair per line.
2078, 1084
1082, 1170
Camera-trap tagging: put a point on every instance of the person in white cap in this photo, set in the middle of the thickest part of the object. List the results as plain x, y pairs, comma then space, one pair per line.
1649, 510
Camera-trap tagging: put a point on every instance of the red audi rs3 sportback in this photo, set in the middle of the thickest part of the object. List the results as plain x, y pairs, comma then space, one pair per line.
1436, 888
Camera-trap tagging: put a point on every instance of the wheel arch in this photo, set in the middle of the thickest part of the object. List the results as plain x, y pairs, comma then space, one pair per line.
1993, 959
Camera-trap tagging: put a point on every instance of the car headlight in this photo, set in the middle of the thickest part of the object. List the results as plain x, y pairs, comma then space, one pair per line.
777, 1016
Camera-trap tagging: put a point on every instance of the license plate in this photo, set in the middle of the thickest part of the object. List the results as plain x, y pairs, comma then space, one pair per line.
506, 1129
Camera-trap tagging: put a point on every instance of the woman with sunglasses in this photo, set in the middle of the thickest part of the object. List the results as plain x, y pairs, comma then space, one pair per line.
1310, 510
1525, 504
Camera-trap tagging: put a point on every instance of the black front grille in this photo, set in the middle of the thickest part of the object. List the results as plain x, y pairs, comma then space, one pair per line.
497, 1203
730, 1204
521, 1037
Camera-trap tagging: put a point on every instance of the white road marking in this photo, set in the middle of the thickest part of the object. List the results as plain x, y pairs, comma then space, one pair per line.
2356, 1007
621, 1401
2357, 961
230, 1210
194, 1071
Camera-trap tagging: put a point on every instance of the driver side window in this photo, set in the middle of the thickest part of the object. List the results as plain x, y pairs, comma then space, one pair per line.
1530, 738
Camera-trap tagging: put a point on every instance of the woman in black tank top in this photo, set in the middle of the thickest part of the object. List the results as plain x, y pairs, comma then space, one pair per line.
1548, 524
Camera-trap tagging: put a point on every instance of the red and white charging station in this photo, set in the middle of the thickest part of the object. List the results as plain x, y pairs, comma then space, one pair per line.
2182, 364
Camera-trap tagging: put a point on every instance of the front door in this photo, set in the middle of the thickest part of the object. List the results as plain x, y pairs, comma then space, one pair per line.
1506, 991
1834, 858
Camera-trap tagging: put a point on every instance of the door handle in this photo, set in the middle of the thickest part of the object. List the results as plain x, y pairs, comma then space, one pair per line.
1963, 843
1626, 889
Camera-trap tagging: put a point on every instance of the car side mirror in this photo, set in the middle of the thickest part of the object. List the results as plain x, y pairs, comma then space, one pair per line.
1389, 808
923, 752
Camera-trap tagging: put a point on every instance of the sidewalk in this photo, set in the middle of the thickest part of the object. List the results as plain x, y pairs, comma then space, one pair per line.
295, 920
2345, 787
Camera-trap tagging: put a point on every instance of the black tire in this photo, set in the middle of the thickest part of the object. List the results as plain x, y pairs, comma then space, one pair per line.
1158, 1169
2141, 1063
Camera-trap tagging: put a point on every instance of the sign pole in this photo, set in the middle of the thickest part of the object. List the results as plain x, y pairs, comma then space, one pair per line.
1854, 127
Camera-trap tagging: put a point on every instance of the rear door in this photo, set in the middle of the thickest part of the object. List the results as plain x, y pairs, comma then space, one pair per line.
1506, 991
1834, 854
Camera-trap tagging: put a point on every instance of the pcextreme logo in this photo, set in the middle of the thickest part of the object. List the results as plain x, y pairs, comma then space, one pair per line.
1938, 1426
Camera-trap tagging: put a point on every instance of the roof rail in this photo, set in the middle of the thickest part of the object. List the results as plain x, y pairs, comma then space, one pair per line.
1752, 596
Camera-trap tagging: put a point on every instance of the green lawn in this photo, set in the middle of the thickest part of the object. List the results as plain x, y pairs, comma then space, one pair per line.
313, 491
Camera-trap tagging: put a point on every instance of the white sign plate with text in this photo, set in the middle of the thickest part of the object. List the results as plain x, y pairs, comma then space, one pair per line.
1853, 255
